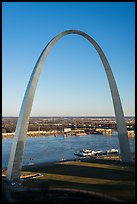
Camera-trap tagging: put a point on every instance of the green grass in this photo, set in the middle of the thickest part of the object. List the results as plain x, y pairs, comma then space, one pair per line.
113, 180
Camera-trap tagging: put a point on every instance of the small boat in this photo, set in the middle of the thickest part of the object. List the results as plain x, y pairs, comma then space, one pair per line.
112, 151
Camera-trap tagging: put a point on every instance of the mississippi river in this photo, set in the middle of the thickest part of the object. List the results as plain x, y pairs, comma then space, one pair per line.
51, 149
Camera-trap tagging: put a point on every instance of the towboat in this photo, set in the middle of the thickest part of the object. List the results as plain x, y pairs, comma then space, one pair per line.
82, 154
88, 152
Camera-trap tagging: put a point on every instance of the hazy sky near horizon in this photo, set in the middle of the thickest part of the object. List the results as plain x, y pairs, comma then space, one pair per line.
73, 81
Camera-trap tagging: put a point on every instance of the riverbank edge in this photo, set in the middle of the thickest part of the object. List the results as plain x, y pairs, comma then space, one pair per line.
51, 133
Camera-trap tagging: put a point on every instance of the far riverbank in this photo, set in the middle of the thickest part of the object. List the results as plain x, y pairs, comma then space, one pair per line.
34, 133
52, 133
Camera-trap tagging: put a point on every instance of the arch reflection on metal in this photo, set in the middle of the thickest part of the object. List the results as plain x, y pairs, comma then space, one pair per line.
16, 155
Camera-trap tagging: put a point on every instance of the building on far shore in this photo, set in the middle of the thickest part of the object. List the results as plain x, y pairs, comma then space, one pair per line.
105, 131
77, 132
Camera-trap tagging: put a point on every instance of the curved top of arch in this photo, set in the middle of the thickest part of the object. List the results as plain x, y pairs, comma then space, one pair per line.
39, 65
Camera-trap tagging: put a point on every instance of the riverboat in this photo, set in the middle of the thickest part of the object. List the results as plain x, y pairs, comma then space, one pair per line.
89, 152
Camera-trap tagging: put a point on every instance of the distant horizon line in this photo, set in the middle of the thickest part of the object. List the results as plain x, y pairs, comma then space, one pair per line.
67, 116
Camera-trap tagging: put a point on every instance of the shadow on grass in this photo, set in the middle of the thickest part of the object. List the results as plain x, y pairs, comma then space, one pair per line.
125, 192
85, 171
120, 184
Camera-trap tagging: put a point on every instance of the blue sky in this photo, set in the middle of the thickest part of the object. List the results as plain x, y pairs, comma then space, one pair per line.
73, 81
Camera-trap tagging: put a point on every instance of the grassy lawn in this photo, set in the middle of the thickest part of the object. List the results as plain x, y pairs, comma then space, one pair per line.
110, 179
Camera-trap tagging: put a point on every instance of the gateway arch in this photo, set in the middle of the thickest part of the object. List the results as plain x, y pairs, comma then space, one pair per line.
17, 150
